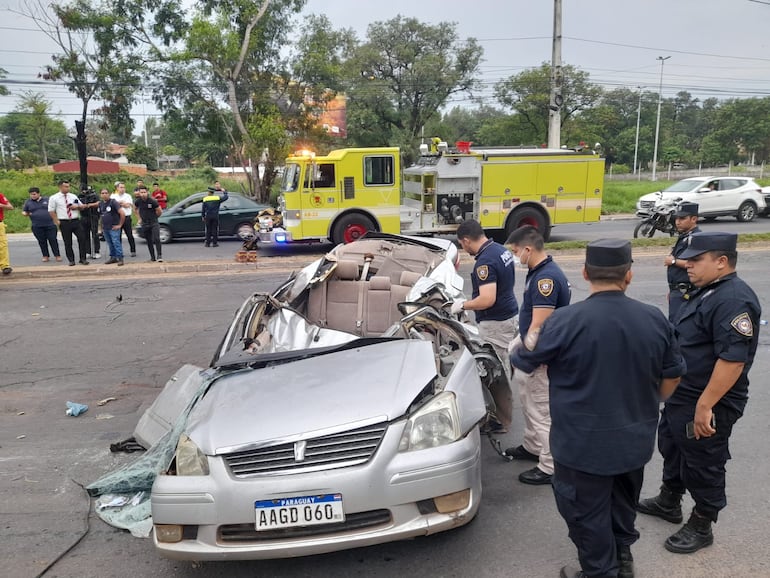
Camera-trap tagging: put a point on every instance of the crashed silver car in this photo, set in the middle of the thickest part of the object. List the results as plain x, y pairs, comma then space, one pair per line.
342, 410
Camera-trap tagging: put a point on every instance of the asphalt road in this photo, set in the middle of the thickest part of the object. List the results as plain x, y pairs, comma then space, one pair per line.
88, 339
26, 253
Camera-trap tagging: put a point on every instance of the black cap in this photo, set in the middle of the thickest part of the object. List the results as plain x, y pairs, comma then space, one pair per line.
703, 242
687, 210
211, 189
608, 253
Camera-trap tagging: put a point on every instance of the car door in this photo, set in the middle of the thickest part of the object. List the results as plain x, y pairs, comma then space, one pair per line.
731, 196
231, 214
188, 222
710, 201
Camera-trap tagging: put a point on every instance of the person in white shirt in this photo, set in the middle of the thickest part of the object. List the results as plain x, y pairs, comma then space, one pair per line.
64, 209
126, 202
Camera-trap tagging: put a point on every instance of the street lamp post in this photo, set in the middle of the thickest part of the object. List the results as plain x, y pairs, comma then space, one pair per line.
638, 118
657, 122
156, 138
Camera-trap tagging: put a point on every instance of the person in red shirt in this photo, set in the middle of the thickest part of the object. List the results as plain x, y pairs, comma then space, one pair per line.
159, 195
5, 259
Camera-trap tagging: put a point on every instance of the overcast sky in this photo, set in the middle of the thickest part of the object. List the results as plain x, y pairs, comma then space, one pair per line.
718, 48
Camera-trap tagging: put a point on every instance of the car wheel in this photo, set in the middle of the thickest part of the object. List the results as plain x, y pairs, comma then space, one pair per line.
527, 216
351, 227
245, 231
165, 234
746, 212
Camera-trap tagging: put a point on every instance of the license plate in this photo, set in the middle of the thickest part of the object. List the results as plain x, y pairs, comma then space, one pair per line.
299, 511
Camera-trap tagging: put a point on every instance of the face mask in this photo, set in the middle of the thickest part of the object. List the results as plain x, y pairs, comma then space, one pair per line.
524, 263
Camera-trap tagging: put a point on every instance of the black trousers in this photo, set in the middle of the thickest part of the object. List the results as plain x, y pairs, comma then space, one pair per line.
600, 512
212, 230
46, 236
90, 224
697, 466
675, 302
152, 236
128, 229
69, 227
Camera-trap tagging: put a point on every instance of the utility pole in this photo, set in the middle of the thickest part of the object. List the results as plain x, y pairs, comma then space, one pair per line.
657, 122
557, 99
638, 117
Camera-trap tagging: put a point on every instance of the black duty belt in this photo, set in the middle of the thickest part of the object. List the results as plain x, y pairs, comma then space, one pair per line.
682, 287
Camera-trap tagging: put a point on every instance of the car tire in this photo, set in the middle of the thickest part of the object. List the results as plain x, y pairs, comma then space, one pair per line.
165, 234
527, 216
747, 212
244, 231
351, 227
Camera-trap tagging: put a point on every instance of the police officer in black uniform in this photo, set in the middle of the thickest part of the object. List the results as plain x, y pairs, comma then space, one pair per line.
686, 222
494, 303
718, 333
610, 361
89, 221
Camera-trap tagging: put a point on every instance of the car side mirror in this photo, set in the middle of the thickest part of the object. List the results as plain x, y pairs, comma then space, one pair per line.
705, 190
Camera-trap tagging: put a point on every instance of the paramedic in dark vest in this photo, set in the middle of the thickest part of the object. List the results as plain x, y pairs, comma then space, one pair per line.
686, 222
495, 307
605, 397
210, 213
718, 330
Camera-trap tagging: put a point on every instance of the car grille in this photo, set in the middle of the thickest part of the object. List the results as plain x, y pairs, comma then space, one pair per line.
234, 533
646, 204
337, 450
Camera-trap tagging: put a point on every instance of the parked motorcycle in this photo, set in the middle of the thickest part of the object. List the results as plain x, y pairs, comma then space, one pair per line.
660, 219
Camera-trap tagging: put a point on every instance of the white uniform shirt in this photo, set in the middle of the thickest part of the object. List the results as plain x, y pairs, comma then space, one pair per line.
58, 203
124, 198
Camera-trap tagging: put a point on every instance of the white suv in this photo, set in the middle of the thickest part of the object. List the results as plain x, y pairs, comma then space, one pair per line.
739, 197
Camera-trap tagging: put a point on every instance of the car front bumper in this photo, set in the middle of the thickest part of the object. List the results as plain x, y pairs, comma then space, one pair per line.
398, 487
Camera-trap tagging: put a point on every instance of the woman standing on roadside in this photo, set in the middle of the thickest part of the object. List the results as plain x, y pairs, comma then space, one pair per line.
36, 208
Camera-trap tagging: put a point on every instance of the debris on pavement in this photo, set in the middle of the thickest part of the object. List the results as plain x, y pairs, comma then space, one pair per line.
75, 409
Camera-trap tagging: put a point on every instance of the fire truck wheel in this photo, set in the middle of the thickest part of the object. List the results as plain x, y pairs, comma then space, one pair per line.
527, 216
351, 227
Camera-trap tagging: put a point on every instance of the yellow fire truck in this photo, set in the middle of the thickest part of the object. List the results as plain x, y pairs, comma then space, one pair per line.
342, 195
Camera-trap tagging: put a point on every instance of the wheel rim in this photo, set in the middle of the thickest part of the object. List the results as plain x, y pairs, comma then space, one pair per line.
353, 232
747, 213
164, 234
528, 221
648, 230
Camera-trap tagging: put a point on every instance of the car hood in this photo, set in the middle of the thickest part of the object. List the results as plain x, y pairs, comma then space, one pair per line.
332, 392
664, 196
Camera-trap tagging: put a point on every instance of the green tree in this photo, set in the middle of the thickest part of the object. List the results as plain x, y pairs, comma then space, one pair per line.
137, 153
3, 89
91, 62
403, 74
528, 95
33, 133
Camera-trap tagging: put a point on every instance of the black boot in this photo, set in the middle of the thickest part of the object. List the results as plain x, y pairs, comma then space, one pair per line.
666, 505
625, 561
691, 537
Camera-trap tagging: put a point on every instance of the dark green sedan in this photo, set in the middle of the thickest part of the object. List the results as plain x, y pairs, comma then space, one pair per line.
183, 220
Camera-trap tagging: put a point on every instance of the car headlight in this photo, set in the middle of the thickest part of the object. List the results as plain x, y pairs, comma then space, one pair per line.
190, 461
437, 423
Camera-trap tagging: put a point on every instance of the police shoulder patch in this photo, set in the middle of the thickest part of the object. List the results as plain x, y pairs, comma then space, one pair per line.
482, 272
742, 324
545, 286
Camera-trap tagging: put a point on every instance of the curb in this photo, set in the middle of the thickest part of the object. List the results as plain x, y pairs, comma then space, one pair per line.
149, 269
